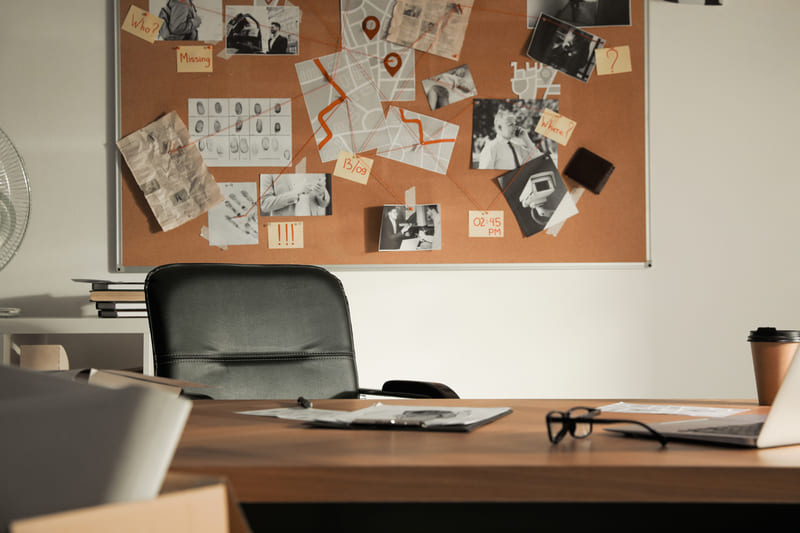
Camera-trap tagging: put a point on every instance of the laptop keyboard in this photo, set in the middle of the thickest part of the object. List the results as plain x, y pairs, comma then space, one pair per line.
749, 430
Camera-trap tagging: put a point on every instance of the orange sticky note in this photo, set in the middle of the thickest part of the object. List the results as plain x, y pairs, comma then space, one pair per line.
486, 224
142, 24
613, 60
285, 234
195, 59
556, 127
353, 167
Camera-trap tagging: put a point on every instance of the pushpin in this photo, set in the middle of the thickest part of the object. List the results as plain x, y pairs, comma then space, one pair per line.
370, 26
392, 63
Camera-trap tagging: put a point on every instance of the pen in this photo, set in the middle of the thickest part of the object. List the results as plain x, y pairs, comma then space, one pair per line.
305, 404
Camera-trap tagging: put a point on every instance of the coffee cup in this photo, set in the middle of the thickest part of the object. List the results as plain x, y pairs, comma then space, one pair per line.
773, 351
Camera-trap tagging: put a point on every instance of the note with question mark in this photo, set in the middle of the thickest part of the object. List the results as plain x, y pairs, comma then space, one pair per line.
613, 60
142, 24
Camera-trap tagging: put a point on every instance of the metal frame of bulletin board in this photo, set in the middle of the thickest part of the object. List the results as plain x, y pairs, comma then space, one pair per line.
422, 153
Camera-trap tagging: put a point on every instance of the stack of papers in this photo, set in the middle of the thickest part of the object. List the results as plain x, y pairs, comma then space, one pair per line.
380, 416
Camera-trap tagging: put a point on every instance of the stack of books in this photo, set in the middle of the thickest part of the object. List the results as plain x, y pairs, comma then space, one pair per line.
117, 299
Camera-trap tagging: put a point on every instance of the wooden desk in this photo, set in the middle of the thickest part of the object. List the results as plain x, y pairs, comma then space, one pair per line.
509, 460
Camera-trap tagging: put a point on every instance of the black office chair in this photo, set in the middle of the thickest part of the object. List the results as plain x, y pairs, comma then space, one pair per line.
259, 332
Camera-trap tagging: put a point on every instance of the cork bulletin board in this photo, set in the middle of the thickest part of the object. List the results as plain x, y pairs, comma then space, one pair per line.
273, 96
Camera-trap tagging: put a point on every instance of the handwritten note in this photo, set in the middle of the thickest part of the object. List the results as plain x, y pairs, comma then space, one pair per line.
486, 224
353, 167
195, 59
142, 24
556, 127
614, 60
285, 235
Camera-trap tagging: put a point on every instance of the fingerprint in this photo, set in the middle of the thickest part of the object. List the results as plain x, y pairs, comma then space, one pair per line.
201, 145
265, 143
218, 107
239, 124
277, 108
238, 108
243, 146
257, 108
277, 127
198, 127
234, 146
217, 126
201, 109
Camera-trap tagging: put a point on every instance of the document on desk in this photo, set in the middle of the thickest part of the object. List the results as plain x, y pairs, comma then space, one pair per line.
653, 409
381, 416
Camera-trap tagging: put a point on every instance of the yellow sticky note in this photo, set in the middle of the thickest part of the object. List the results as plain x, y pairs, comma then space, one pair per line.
285, 234
486, 224
613, 60
353, 167
195, 59
142, 24
556, 127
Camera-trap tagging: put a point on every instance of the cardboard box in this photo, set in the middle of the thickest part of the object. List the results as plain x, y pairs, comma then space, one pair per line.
43, 357
188, 503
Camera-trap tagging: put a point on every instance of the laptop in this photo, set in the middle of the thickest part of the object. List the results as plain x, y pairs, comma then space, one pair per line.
781, 427
68, 444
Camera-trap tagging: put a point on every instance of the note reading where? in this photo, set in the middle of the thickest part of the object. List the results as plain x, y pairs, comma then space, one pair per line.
556, 127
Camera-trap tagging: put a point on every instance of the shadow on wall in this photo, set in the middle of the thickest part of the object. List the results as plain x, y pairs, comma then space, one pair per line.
45, 305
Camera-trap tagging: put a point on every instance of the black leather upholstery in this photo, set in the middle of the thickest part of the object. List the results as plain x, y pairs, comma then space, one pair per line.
252, 331
259, 332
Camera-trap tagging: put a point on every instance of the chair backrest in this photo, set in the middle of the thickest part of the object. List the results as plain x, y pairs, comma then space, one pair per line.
252, 331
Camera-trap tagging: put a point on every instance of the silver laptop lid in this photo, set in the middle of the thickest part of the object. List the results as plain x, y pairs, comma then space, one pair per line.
66, 444
782, 426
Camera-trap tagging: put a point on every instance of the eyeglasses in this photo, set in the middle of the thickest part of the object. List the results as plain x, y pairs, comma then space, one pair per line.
579, 421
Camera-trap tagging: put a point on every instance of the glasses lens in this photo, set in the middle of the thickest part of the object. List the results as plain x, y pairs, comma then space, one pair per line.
580, 429
555, 426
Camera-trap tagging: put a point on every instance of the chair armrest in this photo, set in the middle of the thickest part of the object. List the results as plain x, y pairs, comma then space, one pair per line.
412, 389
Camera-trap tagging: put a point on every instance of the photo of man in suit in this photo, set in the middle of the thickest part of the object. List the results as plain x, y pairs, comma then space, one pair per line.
277, 43
295, 195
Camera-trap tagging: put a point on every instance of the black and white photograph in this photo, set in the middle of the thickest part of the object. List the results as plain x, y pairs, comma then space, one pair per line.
564, 47
295, 195
533, 193
408, 230
503, 132
259, 30
449, 87
188, 20
582, 12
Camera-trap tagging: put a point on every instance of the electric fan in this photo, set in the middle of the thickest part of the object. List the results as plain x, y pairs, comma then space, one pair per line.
15, 200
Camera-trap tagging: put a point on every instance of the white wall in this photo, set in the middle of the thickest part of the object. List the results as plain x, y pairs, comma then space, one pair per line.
724, 185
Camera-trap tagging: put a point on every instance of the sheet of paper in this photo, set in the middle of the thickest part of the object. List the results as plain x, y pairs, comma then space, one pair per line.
486, 223
431, 26
142, 24
613, 60
419, 140
297, 413
285, 235
234, 220
353, 167
242, 132
170, 171
331, 86
195, 58
652, 409
555, 126
391, 67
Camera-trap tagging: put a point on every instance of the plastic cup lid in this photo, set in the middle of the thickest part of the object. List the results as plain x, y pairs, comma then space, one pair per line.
774, 335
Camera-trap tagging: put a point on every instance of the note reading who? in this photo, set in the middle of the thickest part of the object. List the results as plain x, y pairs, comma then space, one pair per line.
613, 60
486, 224
556, 127
142, 24
195, 59
353, 167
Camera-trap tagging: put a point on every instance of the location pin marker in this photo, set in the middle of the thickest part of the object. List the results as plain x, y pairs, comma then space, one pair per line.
370, 26
392, 63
